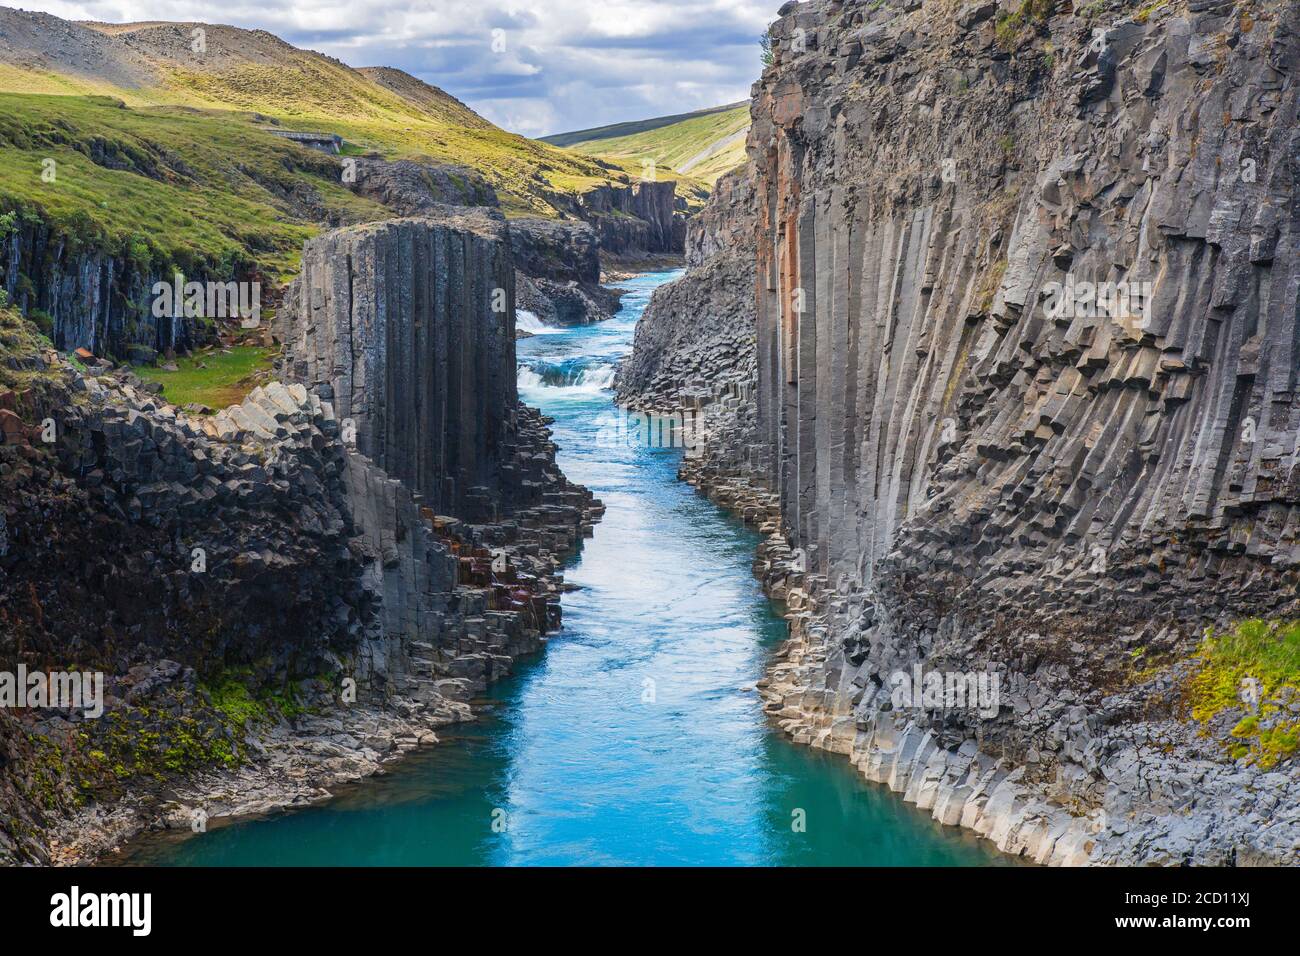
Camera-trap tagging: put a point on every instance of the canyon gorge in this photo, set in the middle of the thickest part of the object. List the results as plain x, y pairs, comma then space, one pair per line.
994, 342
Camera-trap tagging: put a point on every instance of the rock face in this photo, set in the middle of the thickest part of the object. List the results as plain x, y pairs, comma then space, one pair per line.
412, 188
558, 251
558, 271
234, 526
975, 470
696, 338
87, 298
406, 543
646, 217
408, 328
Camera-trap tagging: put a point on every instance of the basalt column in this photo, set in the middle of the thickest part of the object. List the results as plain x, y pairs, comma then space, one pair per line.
408, 328
915, 378
1028, 357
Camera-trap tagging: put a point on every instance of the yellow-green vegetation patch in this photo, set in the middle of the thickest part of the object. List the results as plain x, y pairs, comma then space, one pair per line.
216, 378
153, 742
1145, 13
18, 337
702, 147
240, 707
235, 701
1255, 665
21, 340
164, 186
413, 121
1011, 30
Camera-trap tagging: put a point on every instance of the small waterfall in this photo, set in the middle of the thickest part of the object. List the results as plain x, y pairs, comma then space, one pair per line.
527, 321
571, 376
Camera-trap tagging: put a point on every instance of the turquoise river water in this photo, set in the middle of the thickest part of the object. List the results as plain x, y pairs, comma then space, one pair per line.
636, 737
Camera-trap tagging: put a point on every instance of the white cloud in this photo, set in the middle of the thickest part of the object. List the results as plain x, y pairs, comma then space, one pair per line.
566, 64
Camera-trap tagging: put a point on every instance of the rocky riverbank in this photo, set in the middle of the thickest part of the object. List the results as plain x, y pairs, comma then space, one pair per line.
292, 761
1157, 809
184, 750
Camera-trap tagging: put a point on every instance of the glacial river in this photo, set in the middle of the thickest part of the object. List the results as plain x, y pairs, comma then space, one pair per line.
636, 737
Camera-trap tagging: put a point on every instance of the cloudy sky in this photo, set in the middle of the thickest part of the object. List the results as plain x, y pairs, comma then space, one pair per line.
533, 66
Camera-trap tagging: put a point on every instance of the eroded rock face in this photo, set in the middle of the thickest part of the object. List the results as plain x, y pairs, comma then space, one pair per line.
407, 327
170, 551
558, 271
565, 251
646, 217
142, 527
88, 299
696, 340
976, 479
411, 188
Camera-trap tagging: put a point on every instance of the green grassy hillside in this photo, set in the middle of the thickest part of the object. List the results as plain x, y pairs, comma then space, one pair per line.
701, 145
167, 185
150, 66
153, 142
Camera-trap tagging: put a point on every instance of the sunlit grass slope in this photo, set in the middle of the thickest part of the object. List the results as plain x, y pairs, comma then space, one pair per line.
700, 145
377, 109
178, 186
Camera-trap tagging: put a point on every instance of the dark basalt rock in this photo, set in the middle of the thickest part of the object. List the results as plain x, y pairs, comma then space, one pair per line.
407, 327
558, 265
1038, 495
696, 337
402, 524
645, 217
411, 188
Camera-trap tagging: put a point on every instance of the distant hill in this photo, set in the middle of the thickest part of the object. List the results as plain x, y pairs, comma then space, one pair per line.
241, 72
703, 145
154, 143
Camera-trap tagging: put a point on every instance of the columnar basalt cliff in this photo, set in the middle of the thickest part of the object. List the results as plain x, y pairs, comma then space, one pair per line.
91, 298
978, 483
557, 262
390, 327
647, 217
273, 609
1027, 405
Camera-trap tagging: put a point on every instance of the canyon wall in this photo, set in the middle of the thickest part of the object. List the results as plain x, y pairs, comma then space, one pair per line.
696, 339
557, 271
297, 589
1026, 407
978, 481
89, 298
632, 221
